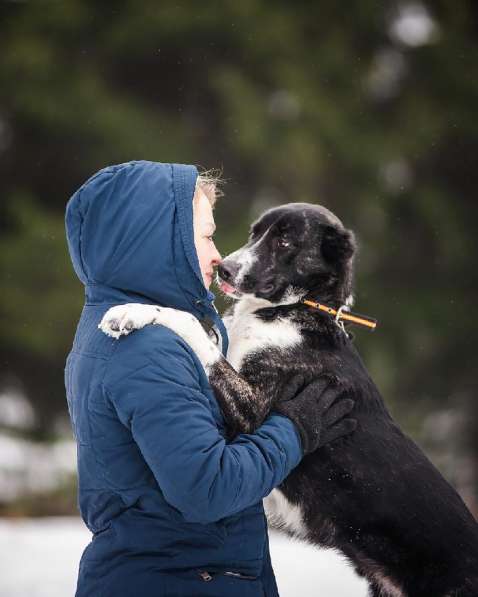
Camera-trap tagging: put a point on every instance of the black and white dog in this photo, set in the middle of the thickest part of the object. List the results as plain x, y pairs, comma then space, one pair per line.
373, 495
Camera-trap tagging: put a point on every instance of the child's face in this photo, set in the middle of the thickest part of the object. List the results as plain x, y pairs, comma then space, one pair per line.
204, 228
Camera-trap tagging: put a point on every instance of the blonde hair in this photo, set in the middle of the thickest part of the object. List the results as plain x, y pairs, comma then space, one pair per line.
209, 182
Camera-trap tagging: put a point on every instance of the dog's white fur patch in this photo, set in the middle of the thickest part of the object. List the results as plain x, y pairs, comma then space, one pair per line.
123, 319
291, 296
281, 514
247, 333
245, 257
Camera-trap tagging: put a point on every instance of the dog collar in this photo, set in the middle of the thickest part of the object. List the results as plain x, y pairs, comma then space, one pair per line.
343, 314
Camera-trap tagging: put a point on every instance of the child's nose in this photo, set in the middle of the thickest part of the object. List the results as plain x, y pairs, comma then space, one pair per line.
216, 257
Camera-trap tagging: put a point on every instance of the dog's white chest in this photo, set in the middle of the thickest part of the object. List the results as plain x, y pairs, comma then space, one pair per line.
248, 334
283, 515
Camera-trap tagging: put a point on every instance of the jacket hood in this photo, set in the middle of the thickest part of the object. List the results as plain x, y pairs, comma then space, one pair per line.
131, 238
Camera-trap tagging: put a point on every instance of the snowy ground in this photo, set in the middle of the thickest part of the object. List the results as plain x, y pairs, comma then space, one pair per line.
39, 558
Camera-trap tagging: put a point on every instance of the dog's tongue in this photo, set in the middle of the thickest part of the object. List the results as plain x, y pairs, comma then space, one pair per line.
227, 288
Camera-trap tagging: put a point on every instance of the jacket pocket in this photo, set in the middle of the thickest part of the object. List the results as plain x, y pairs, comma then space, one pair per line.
230, 583
190, 583
206, 576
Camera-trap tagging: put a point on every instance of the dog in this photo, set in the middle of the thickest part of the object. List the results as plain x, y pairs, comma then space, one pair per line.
372, 495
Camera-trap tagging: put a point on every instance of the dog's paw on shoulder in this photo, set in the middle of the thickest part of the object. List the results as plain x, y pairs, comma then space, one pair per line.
121, 320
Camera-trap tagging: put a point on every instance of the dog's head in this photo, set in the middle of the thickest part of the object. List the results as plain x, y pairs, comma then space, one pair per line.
293, 250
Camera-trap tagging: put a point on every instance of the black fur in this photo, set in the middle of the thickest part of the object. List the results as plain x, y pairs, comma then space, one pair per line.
373, 495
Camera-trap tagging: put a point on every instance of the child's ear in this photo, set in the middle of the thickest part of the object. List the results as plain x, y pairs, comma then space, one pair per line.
337, 246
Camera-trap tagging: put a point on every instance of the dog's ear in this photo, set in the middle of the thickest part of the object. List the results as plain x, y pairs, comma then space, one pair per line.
337, 246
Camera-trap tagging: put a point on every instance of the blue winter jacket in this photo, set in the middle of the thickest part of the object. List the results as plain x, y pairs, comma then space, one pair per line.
174, 509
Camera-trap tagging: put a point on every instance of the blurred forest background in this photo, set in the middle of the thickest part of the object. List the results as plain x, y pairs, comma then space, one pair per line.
369, 108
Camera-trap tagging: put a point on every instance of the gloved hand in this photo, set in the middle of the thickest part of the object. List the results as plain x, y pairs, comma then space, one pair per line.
317, 411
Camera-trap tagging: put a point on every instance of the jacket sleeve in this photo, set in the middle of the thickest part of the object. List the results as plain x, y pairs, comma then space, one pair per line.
156, 393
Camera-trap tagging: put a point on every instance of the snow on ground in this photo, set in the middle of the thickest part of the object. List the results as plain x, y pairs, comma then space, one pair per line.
39, 558
304, 571
29, 467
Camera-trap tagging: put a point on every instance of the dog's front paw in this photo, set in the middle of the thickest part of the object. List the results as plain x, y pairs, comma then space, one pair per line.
124, 319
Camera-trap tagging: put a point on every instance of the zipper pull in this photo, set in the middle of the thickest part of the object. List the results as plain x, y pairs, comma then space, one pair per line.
204, 574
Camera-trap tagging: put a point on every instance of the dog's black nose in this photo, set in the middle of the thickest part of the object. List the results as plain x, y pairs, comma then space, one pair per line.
227, 270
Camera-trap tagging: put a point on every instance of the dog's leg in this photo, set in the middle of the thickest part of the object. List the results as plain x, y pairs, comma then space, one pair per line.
244, 410
243, 405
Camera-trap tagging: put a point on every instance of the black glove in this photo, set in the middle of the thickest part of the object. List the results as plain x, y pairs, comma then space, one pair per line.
317, 411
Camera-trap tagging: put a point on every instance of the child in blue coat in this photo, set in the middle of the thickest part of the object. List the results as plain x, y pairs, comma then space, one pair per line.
174, 509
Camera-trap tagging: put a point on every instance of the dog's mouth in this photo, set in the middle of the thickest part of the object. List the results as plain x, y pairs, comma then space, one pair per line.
264, 292
228, 289
237, 286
